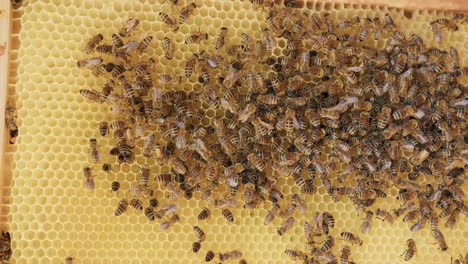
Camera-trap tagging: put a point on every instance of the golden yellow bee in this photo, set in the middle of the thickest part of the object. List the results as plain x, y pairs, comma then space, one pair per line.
128, 27
285, 226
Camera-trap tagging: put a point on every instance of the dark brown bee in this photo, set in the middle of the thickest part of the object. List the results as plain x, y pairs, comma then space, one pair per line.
149, 213
196, 246
153, 203
137, 204
209, 256
328, 219
103, 128
328, 243
115, 186
106, 167
118, 70
121, 208
228, 215
204, 214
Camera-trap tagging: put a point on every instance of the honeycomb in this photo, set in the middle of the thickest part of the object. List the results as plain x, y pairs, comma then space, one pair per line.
53, 217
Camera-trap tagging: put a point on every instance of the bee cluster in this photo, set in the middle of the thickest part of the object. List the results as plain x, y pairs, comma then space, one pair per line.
332, 111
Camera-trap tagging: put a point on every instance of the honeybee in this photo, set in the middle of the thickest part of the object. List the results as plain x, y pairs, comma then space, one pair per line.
204, 214
199, 233
166, 209
388, 21
367, 222
302, 205
169, 20
327, 244
196, 38
271, 215
170, 222
186, 12
385, 216
169, 48
440, 239
121, 207
128, 27
170, 78
345, 252
295, 254
142, 45
420, 224
411, 249
324, 256
89, 63
137, 204
93, 42
88, 180
10, 119
149, 213
230, 255
5, 247
209, 256
118, 43
354, 239
449, 24
225, 203
452, 220
411, 215
196, 246
228, 215
285, 226
94, 151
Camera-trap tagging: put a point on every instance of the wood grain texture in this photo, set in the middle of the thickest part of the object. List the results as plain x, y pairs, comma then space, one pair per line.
4, 38
440, 5
5, 174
